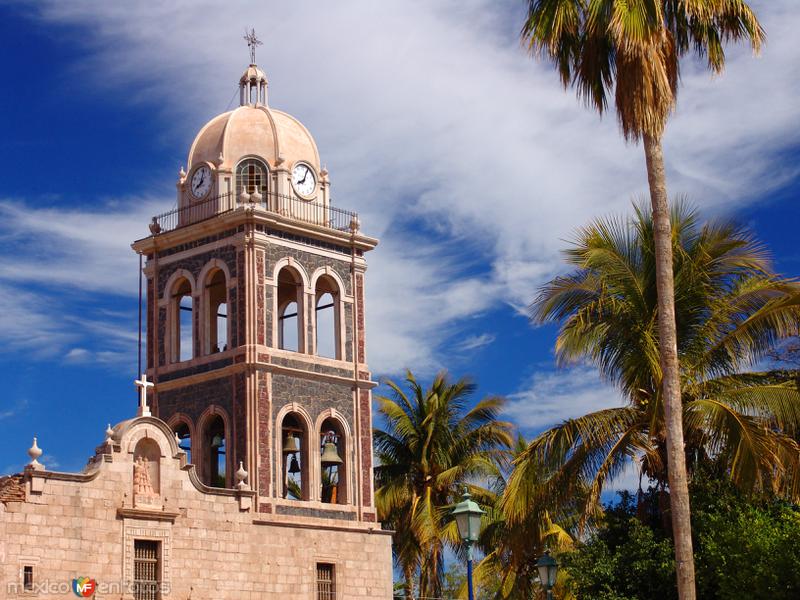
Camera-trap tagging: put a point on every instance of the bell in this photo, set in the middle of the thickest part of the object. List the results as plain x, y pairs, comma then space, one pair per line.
290, 444
329, 455
216, 441
294, 466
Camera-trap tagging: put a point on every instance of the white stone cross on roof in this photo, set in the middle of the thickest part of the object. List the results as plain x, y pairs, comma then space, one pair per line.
143, 384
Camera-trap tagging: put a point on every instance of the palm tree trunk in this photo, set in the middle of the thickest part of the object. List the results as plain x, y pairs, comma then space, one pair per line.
671, 390
409, 576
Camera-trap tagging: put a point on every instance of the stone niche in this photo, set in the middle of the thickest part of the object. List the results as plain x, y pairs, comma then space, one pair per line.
147, 474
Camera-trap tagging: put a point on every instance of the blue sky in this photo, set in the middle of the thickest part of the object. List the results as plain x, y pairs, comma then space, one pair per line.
461, 153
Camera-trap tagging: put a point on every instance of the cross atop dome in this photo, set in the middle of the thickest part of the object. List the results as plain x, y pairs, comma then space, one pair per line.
253, 82
252, 42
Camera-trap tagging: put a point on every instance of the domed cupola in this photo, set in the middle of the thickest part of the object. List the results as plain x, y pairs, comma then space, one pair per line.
253, 153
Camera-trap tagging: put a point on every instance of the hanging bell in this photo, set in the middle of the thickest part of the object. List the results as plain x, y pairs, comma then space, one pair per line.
290, 444
329, 455
294, 466
216, 441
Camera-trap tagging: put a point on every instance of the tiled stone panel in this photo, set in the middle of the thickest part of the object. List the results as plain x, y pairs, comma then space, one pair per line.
162, 335
195, 369
260, 325
150, 321
313, 367
192, 400
348, 332
360, 325
264, 433
198, 243
310, 261
314, 396
194, 265
303, 511
239, 419
239, 323
365, 410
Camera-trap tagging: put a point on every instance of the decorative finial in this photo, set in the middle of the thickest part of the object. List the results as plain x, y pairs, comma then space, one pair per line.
109, 435
182, 173
241, 477
35, 452
252, 42
143, 384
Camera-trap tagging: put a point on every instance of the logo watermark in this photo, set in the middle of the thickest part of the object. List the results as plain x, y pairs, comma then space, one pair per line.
87, 587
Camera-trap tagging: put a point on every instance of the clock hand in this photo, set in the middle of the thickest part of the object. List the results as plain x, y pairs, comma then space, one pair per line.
303, 179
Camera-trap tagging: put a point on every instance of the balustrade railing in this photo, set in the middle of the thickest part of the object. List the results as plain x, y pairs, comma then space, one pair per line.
286, 206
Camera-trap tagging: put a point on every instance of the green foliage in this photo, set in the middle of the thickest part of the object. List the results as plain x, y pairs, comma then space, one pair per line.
626, 560
746, 547
431, 446
731, 309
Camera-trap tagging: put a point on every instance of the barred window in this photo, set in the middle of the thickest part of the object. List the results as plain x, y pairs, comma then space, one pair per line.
145, 569
27, 578
326, 581
251, 177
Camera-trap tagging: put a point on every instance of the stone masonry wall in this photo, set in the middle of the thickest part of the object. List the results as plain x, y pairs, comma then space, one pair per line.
211, 546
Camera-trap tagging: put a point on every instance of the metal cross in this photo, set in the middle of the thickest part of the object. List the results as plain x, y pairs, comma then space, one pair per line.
143, 384
252, 42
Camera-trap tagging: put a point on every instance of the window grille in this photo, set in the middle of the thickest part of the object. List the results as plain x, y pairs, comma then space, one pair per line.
251, 177
326, 582
27, 578
145, 570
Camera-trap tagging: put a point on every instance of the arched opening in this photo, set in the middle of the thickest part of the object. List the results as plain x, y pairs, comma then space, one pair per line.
251, 181
326, 315
333, 459
290, 310
294, 456
217, 312
182, 319
184, 435
215, 446
146, 473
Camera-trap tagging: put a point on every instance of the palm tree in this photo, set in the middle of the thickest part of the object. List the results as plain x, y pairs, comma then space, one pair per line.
634, 49
731, 309
511, 547
432, 444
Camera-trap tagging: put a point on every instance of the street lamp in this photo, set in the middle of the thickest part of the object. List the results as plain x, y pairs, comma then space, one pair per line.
468, 518
548, 567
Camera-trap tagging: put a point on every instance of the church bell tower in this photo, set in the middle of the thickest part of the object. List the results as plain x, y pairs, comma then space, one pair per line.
255, 317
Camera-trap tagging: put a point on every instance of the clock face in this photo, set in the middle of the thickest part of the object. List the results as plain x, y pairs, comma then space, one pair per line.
303, 180
201, 182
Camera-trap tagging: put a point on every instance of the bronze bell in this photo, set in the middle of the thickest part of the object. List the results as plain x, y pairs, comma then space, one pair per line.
290, 444
330, 456
294, 466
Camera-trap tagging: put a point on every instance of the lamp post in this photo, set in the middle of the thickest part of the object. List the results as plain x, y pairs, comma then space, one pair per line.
548, 567
468, 518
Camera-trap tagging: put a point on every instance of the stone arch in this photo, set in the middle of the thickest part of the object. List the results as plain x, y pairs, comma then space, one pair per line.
215, 323
290, 284
294, 419
212, 455
182, 419
327, 309
180, 344
334, 482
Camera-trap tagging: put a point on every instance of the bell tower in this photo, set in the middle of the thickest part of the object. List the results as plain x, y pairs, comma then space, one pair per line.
255, 317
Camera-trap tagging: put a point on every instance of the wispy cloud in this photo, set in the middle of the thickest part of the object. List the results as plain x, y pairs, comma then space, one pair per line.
430, 118
550, 397
473, 342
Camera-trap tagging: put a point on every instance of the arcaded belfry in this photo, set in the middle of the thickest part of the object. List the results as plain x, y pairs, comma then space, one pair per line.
248, 470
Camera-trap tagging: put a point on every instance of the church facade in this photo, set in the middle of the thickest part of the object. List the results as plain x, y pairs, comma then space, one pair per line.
247, 472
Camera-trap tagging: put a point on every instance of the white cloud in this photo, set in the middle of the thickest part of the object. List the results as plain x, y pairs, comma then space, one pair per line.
550, 397
429, 115
473, 342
